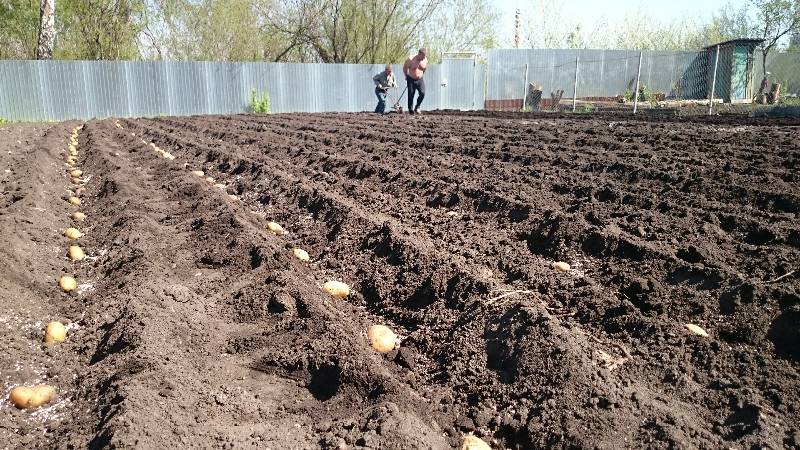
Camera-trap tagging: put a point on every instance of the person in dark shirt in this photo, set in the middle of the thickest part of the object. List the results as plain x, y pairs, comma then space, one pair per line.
383, 81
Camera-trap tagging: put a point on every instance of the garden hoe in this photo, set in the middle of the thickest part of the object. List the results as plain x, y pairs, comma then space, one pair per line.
396, 106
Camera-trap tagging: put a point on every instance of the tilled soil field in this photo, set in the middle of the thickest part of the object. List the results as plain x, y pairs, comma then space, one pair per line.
193, 325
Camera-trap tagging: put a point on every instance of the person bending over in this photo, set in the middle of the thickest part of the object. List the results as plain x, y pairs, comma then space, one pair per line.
383, 81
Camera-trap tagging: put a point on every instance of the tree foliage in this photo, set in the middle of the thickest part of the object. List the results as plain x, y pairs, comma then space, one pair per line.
774, 19
461, 25
19, 26
99, 29
356, 31
350, 31
771, 20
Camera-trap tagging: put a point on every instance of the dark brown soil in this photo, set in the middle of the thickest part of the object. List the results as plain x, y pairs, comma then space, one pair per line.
195, 326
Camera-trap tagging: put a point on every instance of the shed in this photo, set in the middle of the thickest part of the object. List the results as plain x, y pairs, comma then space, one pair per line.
734, 70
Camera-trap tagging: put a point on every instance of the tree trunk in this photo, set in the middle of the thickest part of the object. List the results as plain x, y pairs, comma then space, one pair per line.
47, 29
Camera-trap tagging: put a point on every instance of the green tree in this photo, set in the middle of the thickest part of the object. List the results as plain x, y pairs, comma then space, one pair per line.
726, 24
461, 25
640, 31
773, 20
794, 42
350, 31
213, 30
99, 29
19, 26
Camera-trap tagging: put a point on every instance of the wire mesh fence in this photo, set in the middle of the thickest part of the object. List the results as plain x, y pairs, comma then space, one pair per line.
622, 80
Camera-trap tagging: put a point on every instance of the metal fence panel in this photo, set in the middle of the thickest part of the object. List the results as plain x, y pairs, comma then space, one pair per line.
458, 77
59, 90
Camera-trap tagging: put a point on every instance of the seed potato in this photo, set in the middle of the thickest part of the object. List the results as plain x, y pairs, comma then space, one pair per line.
471, 442
72, 233
67, 283
55, 333
561, 266
275, 228
336, 288
76, 253
696, 330
301, 254
381, 338
31, 397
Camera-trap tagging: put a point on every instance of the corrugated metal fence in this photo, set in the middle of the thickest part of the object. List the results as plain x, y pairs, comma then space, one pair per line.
59, 90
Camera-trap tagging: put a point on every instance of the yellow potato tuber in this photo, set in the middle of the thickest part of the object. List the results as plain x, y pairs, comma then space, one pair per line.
198, 173
74, 201
233, 197
67, 283
301, 254
72, 233
381, 338
471, 442
41, 395
76, 253
336, 288
275, 228
75, 180
220, 186
20, 396
31, 397
55, 333
561, 266
209, 180
696, 330
78, 216
76, 173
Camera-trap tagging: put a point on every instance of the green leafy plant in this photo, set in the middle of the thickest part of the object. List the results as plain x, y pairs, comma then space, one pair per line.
259, 103
526, 109
789, 101
4, 121
628, 95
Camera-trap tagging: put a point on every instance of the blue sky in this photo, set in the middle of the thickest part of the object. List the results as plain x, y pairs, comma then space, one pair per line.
589, 12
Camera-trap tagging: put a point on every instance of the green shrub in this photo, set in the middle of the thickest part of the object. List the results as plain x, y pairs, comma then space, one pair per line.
628, 95
786, 101
4, 121
259, 104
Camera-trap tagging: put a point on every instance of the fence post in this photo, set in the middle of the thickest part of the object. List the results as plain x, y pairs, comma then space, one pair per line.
474, 68
525, 92
713, 84
575, 86
638, 77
